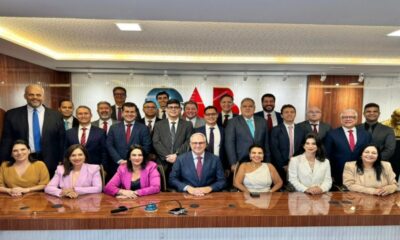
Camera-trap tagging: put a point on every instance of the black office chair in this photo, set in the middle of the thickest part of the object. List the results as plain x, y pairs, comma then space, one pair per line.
163, 180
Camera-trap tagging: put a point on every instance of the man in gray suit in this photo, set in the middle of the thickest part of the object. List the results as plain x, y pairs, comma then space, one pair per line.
244, 131
382, 136
171, 136
190, 112
314, 124
105, 121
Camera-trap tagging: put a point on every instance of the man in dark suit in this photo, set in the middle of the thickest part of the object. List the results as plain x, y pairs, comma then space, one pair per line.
190, 114
272, 117
286, 140
125, 134
345, 143
244, 131
66, 108
162, 99
119, 94
382, 136
314, 124
105, 121
42, 127
197, 172
226, 103
91, 137
150, 115
171, 136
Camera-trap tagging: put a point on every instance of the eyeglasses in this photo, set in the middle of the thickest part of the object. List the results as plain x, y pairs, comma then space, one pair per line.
198, 143
348, 117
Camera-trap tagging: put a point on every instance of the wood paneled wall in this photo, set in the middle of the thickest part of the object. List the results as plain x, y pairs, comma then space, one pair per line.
15, 74
335, 94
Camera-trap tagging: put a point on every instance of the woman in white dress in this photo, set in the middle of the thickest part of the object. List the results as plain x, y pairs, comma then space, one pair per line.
310, 172
257, 176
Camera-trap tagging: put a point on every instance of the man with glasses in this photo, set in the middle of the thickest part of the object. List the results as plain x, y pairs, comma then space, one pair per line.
171, 135
197, 172
119, 94
345, 143
314, 123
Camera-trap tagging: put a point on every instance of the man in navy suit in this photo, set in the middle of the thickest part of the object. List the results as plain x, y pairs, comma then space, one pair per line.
105, 121
286, 140
226, 114
345, 143
91, 137
244, 131
125, 134
197, 172
18, 124
272, 117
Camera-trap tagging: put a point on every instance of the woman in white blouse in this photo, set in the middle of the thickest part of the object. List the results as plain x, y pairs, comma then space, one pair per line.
310, 172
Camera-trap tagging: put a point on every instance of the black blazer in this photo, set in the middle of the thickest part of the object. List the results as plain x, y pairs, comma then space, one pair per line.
278, 116
220, 118
53, 135
114, 114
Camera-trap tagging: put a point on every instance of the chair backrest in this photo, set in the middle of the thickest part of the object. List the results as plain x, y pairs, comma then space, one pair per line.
163, 180
103, 174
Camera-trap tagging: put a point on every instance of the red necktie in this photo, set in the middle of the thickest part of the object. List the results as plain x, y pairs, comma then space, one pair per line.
83, 137
128, 132
315, 130
199, 166
269, 122
351, 140
105, 126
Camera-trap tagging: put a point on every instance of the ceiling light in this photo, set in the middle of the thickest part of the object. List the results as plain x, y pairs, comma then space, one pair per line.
129, 27
394, 34
323, 77
361, 77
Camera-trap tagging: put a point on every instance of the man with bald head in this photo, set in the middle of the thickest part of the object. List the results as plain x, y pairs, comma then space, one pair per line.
314, 123
42, 127
345, 143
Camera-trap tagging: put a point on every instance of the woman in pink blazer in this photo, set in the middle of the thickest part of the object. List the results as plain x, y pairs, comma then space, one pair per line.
75, 177
138, 177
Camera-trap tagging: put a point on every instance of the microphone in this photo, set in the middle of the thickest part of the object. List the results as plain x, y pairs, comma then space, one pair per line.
120, 209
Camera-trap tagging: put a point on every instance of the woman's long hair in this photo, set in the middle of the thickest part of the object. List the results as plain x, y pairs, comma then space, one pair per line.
377, 166
128, 157
320, 154
67, 163
22, 142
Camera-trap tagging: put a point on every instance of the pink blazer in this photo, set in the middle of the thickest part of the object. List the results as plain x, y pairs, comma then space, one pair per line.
89, 181
149, 180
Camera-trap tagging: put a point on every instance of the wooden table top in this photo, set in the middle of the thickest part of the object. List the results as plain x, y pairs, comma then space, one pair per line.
39, 211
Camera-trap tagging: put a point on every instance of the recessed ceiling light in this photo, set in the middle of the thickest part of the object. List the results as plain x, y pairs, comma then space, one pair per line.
129, 27
394, 34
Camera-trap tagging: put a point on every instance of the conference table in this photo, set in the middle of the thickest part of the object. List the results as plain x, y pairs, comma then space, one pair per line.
226, 210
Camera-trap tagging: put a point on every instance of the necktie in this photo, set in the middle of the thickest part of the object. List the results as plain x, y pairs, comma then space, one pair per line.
66, 124
199, 166
251, 126
291, 141
314, 128
128, 132
105, 126
269, 122
119, 116
352, 142
225, 122
211, 141
83, 137
149, 124
369, 128
36, 131
164, 116
173, 132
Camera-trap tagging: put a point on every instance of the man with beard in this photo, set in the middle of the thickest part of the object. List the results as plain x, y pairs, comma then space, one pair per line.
105, 121
272, 117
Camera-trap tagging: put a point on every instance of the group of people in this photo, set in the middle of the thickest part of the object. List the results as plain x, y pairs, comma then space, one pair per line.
127, 156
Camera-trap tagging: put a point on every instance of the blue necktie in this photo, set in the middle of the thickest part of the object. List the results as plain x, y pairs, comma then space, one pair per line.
251, 126
36, 131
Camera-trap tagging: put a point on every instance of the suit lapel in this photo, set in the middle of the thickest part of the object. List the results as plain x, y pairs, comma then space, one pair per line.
91, 136
243, 122
82, 175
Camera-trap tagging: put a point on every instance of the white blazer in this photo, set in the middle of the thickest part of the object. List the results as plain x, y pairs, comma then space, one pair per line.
302, 177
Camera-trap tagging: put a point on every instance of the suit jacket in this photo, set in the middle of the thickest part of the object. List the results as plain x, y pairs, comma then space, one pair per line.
89, 181
199, 122
53, 135
149, 180
184, 173
280, 146
383, 136
238, 139
162, 138
95, 144
221, 118
114, 113
97, 123
116, 140
278, 116
142, 120
75, 122
338, 150
222, 153
324, 128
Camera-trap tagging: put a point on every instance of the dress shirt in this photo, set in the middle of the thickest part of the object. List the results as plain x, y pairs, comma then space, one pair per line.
153, 121
195, 164
109, 123
314, 123
69, 122
229, 117
346, 131
217, 137
80, 131
273, 117
193, 121
126, 126
176, 124
40, 111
